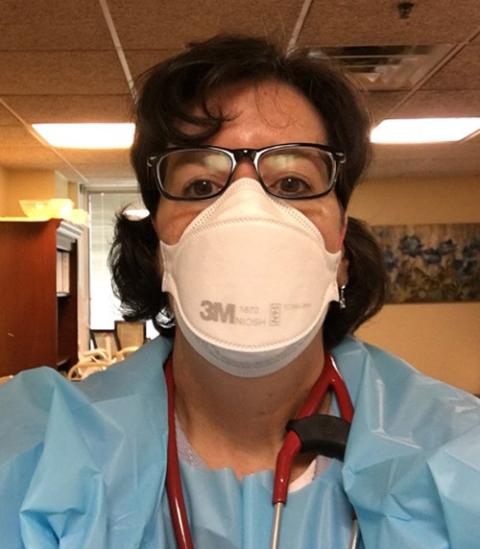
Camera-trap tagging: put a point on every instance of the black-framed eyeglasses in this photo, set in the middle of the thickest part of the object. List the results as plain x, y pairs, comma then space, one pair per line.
291, 171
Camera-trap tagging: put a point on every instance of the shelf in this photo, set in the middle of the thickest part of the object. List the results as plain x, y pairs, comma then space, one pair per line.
38, 325
67, 234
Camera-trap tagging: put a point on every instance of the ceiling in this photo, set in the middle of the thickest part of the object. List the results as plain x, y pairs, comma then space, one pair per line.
72, 61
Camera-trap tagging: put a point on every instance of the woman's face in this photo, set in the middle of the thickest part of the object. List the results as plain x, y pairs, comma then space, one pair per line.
260, 115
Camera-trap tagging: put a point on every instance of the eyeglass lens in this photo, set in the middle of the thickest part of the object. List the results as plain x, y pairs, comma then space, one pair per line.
290, 172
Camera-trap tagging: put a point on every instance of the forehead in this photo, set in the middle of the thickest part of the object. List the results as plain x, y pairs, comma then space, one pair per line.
265, 113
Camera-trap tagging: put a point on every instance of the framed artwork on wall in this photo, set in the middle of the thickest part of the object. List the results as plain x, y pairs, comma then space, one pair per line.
431, 263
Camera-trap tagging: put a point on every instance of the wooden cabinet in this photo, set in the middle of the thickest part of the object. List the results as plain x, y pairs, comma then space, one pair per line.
38, 304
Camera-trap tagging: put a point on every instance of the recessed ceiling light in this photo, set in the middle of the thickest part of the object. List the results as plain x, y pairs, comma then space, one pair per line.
424, 130
87, 136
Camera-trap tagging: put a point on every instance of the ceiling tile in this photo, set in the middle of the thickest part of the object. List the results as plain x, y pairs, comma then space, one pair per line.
165, 28
16, 135
29, 157
461, 73
424, 167
367, 22
110, 171
439, 151
71, 108
99, 157
141, 60
58, 65
380, 103
44, 25
20, 149
6, 118
440, 104
61, 73
442, 159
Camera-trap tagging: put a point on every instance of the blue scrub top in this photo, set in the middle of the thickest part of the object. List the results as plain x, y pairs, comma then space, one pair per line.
82, 465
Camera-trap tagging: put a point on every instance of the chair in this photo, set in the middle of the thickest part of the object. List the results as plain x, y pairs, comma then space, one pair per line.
95, 355
85, 368
125, 352
105, 340
130, 334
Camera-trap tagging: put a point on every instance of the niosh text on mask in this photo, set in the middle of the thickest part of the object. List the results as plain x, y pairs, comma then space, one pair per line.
216, 311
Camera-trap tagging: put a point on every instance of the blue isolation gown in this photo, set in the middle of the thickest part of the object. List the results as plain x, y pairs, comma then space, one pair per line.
82, 466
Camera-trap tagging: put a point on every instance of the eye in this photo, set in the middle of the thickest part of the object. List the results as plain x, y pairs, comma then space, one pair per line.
200, 188
291, 185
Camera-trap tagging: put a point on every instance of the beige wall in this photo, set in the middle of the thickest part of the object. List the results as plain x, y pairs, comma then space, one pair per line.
16, 185
73, 192
28, 184
409, 201
3, 191
442, 340
61, 186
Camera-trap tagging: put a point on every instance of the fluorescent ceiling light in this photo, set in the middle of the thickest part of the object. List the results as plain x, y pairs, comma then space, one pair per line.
87, 136
424, 130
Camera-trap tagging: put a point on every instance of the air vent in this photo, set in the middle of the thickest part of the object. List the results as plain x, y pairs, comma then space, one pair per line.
385, 68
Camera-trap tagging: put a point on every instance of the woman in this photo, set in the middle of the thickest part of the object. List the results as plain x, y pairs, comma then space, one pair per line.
248, 263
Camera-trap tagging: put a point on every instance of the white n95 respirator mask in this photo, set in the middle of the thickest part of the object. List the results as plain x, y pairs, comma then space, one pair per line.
251, 281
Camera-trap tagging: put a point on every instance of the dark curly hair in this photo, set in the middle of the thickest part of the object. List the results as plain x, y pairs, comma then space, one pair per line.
171, 90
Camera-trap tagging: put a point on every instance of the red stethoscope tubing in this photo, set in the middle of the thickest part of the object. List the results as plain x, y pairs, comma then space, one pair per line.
176, 502
329, 378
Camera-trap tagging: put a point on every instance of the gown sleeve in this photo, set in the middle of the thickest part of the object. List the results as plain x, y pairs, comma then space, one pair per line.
412, 469
24, 411
82, 464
